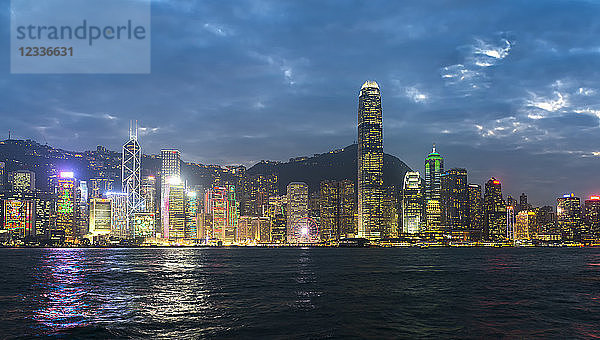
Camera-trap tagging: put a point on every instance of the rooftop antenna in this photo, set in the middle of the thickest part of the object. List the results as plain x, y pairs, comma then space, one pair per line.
8, 134
433, 147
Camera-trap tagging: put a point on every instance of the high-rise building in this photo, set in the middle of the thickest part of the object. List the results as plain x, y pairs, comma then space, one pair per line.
525, 225
297, 210
171, 160
259, 188
191, 212
45, 207
22, 181
434, 167
412, 203
131, 173
170, 172
143, 225
100, 219
99, 187
222, 213
592, 214
494, 209
476, 218
173, 212
523, 205
17, 214
337, 206
455, 202
278, 217
568, 214
370, 162
83, 220
66, 208
119, 228
546, 223
253, 229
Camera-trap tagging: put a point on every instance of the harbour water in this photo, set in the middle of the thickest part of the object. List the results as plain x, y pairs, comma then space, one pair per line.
288, 293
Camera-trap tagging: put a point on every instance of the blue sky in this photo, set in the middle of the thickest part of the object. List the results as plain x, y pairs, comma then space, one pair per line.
506, 88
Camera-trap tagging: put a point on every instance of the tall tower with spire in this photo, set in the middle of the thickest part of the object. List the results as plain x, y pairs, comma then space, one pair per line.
370, 162
131, 171
434, 168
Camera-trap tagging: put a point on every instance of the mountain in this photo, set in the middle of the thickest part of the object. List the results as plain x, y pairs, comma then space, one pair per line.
335, 165
46, 161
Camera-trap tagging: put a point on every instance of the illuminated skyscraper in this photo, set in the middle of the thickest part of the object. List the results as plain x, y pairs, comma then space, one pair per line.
143, 225
476, 218
592, 214
523, 205
45, 207
370, 162
494, 211
191, 211
412, 203
131, 173
119, 228
434, 167
278, 217
568, 214
99, 187
17, 215
173, 214
337, 205
221, 211
22, 181
170, 172
455, 202
297, 209
100, 219
259, 189
171, 160
525, 225
66, 207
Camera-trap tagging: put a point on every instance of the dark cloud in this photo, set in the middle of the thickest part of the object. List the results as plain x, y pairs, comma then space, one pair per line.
507, 89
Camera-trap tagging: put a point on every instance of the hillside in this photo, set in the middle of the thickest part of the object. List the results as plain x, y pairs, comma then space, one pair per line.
335, 165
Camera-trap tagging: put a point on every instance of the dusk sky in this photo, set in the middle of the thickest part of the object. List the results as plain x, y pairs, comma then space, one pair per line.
507, 88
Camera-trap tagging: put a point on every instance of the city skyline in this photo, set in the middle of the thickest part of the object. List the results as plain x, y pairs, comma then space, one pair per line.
507, 99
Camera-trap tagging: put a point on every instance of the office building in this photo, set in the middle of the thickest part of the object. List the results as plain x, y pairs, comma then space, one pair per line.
476, 218
494, 209
22, 181
297, 210
370, 162
412, 203
568, 214
434, 168
455, 203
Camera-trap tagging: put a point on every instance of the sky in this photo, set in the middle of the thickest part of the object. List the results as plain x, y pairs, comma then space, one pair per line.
504, 88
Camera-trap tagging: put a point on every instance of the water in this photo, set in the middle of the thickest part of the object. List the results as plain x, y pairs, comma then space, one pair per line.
300, 293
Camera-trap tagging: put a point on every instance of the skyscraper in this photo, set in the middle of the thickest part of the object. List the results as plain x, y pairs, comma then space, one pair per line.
22, 181
412, 203
297, 209
568, 214
476, 217
592, 214
191, 210
169, 173
131, 173
337, 204
434, 167
455, 202
494, 211
119, 227
525, 225
100, 219
173, 214
66, 207
370, 162
221, 212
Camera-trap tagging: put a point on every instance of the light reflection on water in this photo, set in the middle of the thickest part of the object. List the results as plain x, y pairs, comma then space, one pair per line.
300, 293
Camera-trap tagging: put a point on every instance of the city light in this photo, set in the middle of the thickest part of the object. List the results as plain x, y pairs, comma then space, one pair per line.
67, 174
